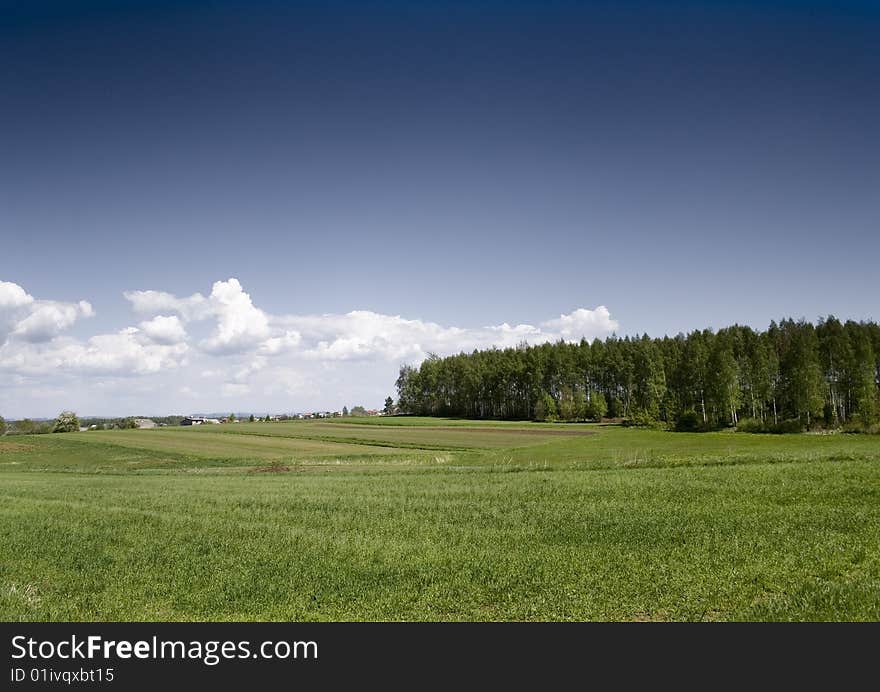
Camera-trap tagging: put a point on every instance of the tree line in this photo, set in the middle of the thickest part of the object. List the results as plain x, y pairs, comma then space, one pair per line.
68, 421
793, 375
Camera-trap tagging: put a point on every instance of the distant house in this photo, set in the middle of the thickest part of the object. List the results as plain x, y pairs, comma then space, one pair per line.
196, 420
144, 423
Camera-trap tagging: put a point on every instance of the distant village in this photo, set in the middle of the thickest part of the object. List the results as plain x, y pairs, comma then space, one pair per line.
68, 421
357, 411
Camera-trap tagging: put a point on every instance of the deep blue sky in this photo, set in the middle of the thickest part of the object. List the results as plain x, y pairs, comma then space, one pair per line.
686, 164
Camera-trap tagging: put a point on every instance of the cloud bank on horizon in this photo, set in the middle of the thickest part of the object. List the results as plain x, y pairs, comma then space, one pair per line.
222, 351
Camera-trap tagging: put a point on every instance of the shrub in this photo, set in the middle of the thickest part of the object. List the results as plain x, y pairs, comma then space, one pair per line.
856, 426
639, 419
689, 421
26, 426
792, 425
750, 425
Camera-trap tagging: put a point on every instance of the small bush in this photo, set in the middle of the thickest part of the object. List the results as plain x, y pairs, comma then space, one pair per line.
750, 425
29, 427
640, 419
689, 421
786, 427
856, 426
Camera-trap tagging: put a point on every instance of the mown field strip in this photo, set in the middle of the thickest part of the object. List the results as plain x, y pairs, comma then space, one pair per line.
226, 445
432, 437
370, 442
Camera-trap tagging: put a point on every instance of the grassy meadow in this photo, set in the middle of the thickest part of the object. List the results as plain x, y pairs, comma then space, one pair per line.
430, 519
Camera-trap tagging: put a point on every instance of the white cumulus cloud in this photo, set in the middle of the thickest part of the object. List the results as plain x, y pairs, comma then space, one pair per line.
13, 296
286, 342
363, 334
25, 318
48, 318
246, 353
243, 328
164, 330
581, 322
126, 352
152, 302
240, 325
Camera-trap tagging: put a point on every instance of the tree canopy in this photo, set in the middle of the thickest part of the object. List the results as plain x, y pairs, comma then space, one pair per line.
792, 371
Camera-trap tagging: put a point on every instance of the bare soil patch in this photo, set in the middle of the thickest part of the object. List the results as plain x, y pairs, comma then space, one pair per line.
9, 447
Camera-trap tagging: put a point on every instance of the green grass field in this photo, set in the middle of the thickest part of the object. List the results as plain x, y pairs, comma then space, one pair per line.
425, 519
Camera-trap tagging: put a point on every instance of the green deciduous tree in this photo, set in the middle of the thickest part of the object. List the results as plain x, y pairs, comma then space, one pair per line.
722, 380
66, 422
545, 409
596, 406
